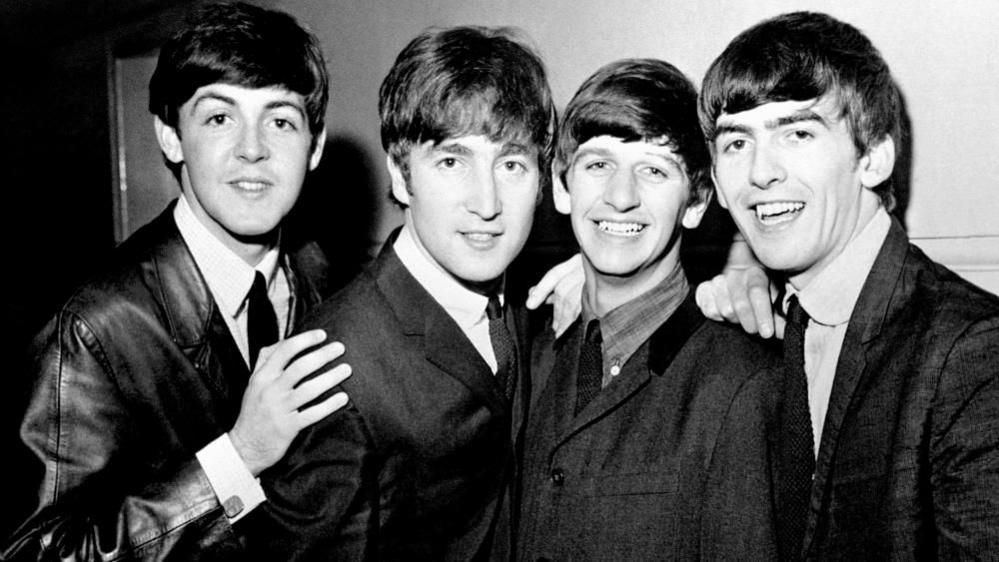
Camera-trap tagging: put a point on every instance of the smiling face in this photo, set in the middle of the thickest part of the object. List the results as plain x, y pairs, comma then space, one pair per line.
626, 201
244, 155
469, 203
789, 174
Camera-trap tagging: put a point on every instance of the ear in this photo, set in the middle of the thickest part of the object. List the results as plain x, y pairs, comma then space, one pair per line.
878, 163
317, 151
695, 210
169, 141
560, 195
718, 191
399, 188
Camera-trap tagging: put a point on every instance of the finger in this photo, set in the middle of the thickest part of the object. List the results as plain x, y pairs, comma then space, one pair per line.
546, 286
311, 362
316, 386
283, 351
705, 299
719, 288
760, 301
320, 410
779, 324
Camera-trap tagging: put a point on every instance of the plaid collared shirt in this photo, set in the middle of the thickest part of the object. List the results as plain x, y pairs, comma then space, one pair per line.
626, 328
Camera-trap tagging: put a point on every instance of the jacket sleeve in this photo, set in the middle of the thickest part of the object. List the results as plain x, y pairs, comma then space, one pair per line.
92, 505
322, 496
964, 452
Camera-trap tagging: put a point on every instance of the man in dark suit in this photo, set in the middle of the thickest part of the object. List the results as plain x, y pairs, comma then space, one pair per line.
145, 419
897, 357
646, 436
418, 465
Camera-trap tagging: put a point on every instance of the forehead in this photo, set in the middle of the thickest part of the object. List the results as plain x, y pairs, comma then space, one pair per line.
477, 145
774, 114
607, 145
229, 94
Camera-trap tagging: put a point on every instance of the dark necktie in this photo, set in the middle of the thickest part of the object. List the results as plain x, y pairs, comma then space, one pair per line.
261, 322
503, 346
591, 366
796, 456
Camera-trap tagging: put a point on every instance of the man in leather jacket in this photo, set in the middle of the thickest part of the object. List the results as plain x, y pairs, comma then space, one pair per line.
155, 403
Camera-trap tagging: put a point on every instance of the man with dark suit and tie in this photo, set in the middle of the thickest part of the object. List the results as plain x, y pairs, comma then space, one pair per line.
646, 436
889, 443
418, 466
158, 395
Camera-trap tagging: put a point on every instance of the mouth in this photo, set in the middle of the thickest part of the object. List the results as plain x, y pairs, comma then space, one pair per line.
250, 185
481, 237
625, 229
778, 212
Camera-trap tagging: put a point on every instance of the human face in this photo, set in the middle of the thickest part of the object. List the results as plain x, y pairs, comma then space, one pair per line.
789, 174
626, 201
244, 155
469, 203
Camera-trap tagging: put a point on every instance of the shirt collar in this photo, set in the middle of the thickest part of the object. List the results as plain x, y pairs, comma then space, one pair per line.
465, 306
628, 326
830, 297
229, 278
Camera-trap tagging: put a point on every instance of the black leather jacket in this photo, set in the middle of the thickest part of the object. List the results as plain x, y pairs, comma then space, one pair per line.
133, 376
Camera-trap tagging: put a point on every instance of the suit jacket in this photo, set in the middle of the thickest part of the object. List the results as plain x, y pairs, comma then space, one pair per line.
680, 436
417, 465
908, 466
133, 376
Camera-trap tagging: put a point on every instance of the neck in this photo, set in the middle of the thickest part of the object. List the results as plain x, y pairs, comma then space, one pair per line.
606, 292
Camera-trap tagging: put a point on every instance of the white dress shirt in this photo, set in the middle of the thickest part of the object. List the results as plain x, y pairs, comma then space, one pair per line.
466, 307
229, 279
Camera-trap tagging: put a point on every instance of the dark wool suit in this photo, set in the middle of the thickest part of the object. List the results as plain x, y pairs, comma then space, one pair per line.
909, 461
680, 435
418, 465
133, 376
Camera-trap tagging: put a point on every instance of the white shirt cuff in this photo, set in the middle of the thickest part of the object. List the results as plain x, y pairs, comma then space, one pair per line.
235, 486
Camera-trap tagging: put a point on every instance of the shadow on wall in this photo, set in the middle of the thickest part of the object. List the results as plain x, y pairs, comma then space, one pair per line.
338, 208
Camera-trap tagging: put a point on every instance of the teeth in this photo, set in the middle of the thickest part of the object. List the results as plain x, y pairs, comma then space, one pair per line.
778, 211
251, 185
620, 228
479, 236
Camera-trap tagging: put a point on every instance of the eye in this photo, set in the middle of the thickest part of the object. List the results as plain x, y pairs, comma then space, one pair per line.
285, 124
734, 146
514, 166
654, 173
217, 119
801, 135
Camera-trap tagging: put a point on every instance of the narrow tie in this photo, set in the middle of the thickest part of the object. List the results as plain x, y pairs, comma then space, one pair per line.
261, 322
591, 366
796, 456
503, 346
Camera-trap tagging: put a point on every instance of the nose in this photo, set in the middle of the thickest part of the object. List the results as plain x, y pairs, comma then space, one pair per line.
766, 168
484, 200
622, 191
251, 145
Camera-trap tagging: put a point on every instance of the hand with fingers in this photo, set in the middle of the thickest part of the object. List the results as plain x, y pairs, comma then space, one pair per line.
270, 415
562, 287
742, 296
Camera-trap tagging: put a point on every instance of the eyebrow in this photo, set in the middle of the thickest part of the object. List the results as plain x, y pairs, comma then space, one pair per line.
800, 116
276, 104
605, 153
452, 148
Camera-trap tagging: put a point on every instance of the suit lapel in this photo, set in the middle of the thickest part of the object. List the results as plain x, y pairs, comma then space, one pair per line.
863, 330
195, 322
444, 344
